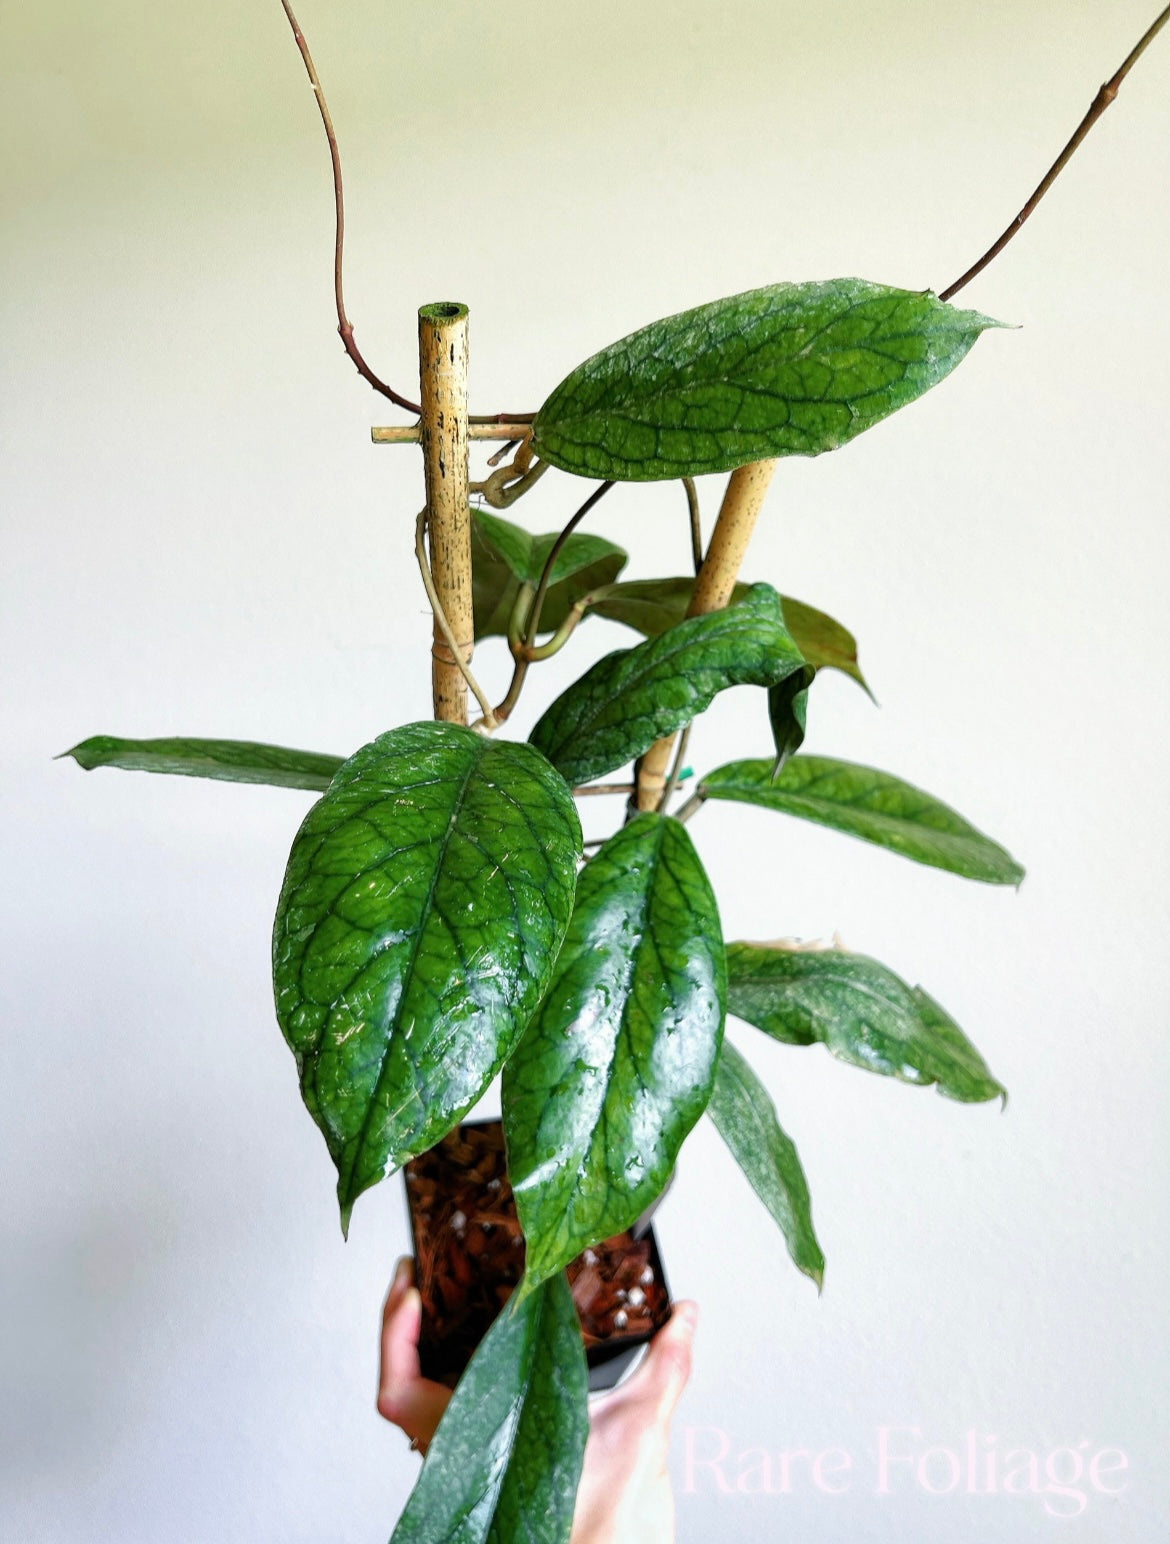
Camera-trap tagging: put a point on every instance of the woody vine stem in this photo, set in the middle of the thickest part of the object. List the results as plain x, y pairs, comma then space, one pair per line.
445, 427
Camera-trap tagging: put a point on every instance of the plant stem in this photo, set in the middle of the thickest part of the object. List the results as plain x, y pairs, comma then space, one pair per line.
344, 326
441, 622
694, 803
506, 484
522, 648
553, 554
696, 523
442, 352
714, 587
1100, 102
672, 780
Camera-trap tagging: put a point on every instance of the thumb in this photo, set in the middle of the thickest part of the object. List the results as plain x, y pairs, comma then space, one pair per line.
659, 1382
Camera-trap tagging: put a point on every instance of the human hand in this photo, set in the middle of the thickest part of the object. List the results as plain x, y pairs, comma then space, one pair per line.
625, 1495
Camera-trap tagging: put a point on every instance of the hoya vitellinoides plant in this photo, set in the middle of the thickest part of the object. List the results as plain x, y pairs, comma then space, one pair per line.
438, 921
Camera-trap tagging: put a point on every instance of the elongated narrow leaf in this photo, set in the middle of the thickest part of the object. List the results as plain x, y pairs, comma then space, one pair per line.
788, 712
617, 1066
228, 761
789, 370
505, 1463
632, 697
745, 1118
861, 1011
872, 805
505, 556
424, 903
650, 606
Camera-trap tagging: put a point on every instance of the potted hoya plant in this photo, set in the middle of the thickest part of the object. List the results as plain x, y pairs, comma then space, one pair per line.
442, 921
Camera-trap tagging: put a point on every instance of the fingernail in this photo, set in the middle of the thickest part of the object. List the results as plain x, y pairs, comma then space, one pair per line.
689, 1314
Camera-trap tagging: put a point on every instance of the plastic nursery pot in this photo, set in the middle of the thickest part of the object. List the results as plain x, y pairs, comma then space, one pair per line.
469, 1255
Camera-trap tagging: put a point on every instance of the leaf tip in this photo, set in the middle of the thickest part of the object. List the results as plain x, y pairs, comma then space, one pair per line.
78, 752
346, 1214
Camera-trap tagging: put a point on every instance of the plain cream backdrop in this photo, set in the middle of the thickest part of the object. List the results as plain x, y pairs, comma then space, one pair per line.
199, 538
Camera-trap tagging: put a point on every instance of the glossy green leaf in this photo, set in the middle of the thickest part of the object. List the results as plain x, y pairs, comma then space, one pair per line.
423, 906
825, 644
650, 606
617, 1066
228, 761
788, 713
745, 1118
632, 697
505, 556
505, 1462
872, 805
861, 1011
789, 370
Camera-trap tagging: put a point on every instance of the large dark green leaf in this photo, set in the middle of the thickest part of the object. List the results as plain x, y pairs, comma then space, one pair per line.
617, 1066
863, 1013
632, 697
505, 556
869, 804
789, 370
425, 900
745, 1118
504, 1465
650, 606
228, 761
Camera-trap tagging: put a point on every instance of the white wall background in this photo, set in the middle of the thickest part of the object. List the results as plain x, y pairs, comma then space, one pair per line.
199, 538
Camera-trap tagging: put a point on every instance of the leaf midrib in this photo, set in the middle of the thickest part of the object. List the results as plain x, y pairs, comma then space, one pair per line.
611, 405
475, 753
645, 938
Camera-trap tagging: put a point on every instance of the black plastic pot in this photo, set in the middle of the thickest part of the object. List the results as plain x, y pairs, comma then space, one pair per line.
469, 1255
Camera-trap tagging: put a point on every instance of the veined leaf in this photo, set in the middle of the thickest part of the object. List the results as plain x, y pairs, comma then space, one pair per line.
745, 1118
650, 606
788, 370
423, 906
631, 698
861, 1011
872, 805
505, 1462
617, 1066
228, 761
505, 556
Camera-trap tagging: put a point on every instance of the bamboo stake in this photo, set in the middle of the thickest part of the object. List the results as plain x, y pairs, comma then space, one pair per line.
714, 588
442, 353
410, 434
